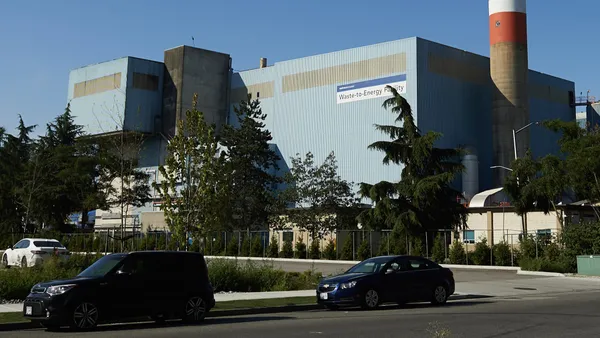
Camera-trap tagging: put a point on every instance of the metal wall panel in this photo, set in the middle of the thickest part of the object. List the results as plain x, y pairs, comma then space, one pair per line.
304, 115
99, 112
455, 98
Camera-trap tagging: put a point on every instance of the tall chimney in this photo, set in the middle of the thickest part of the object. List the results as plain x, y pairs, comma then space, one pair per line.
263, 62
508, 69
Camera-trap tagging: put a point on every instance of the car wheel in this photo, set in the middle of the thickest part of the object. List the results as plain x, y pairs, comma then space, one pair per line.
85, 316
24, 262
5, 262
440, 295
370, 299
195, 310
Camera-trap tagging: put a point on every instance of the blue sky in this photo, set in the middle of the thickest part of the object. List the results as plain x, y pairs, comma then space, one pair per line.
42, 40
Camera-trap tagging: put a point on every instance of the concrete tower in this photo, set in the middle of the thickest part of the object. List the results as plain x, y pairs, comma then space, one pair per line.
509, 68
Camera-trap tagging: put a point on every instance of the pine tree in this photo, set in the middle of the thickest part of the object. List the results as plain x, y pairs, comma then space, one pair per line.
251, 165
424, 198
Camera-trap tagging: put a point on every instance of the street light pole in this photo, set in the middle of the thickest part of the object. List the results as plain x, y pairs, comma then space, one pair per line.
515, 132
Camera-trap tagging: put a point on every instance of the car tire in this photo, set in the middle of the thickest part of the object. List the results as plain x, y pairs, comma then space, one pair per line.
24, 262
439, 295
84, 316
195, 310
5, 262
370, 299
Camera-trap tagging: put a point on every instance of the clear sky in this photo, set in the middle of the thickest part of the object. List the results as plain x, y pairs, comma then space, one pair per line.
41, 41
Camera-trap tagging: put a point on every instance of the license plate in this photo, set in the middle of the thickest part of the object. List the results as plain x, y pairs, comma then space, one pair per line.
323, 295
28, 310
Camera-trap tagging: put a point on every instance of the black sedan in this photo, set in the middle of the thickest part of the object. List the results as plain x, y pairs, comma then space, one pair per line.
385, 279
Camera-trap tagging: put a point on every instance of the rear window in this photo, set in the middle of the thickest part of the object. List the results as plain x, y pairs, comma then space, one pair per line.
48, 244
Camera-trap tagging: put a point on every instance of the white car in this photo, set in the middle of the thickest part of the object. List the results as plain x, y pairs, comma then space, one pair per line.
33, 251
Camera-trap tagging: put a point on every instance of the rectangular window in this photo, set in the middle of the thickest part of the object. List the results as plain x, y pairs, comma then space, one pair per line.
145, 81
469, 236
288, 236
99, 85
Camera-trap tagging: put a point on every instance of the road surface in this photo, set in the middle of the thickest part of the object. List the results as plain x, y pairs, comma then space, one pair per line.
549, 316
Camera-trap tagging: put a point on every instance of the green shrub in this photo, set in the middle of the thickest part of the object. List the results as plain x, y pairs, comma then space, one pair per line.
562, 265
438, 253
329, 252
245, 251
481, 255
300, 249
315, 251
502, 254
384, 246
257, 246
287, 251
364, 250
224, 274
457, 253
273, 250
232, 247
347, 253
417, 246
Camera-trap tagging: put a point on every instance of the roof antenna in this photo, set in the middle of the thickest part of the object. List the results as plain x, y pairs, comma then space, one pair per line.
193, 42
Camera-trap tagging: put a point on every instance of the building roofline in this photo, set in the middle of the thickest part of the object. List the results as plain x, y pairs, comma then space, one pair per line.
193, 47
115, 59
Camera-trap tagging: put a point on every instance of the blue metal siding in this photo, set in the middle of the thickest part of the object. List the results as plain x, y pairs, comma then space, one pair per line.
143, 107
461, 110
310, 120
544, 141
97, 112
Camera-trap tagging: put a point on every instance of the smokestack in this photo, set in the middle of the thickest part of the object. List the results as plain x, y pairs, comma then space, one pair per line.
509, 69
263, 62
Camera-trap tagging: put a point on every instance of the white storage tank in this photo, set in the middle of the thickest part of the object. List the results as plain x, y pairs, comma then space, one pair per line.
470, 177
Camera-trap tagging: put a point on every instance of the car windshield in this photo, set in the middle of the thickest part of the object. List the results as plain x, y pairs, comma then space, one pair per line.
48, 244
370, 265
102, 266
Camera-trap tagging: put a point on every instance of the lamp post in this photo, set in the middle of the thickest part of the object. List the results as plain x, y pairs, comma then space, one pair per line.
515, 132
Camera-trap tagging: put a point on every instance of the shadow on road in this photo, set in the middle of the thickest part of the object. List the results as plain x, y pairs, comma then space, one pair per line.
451, 303
172, 324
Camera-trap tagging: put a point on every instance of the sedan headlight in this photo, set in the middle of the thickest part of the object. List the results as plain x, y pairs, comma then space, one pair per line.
59, 289
348, 285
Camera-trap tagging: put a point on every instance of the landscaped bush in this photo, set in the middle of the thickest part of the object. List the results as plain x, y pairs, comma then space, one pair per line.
225, 275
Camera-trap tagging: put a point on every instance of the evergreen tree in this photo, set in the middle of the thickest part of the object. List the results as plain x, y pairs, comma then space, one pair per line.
195, 160
423, 199
251, 164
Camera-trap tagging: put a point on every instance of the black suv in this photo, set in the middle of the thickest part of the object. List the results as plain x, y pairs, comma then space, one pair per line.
157, 284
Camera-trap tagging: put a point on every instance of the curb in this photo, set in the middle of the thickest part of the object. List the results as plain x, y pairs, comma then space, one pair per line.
215, 314
540, 273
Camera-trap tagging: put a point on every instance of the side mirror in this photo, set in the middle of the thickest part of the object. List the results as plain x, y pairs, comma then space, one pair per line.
10, 248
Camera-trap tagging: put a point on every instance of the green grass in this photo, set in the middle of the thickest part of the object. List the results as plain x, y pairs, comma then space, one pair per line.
12, 317
17, 317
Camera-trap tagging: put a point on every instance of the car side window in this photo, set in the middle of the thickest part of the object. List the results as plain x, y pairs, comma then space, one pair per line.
134, 265
18, 245
419, 264
25, 244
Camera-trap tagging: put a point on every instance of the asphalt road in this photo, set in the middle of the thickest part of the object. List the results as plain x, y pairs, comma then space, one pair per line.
551, 316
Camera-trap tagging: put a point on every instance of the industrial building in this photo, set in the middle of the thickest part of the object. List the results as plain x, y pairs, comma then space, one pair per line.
330, 102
